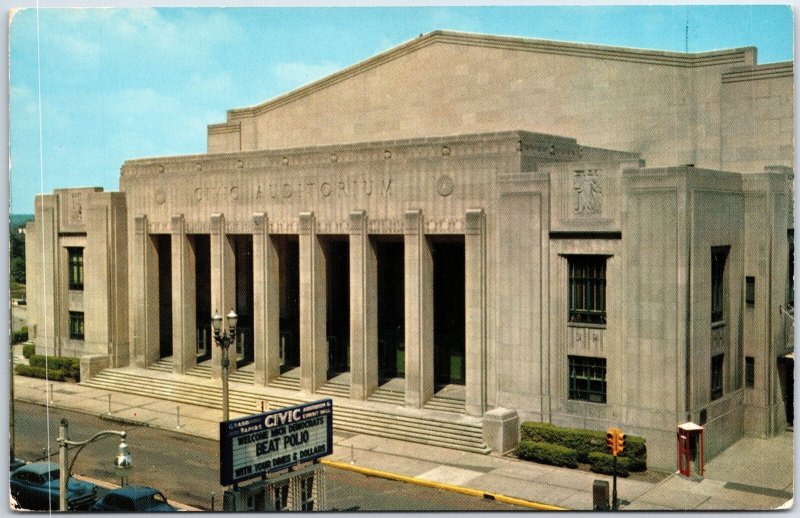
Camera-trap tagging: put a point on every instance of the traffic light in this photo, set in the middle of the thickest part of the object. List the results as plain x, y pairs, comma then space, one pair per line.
611, 441
615, 440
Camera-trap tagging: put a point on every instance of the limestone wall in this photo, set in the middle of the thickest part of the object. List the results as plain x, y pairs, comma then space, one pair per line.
669, 107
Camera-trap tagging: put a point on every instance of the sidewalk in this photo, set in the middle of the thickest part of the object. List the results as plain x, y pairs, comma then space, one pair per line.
752, 474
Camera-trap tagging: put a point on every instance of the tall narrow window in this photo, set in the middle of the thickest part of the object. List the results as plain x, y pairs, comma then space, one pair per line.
587, 289
718, 257
750, 371
717, 363
750, 291
75, 268
587, 378
76, 325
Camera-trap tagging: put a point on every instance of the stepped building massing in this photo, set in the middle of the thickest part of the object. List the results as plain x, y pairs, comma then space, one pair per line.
474, 228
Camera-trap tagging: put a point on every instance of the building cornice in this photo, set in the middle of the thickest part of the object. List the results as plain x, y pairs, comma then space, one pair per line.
753, 73
540, 146
740, 56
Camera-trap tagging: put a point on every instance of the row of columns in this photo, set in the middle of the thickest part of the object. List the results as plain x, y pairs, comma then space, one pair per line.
418, 283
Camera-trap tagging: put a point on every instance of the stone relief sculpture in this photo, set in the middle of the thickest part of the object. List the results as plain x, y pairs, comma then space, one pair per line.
587, 189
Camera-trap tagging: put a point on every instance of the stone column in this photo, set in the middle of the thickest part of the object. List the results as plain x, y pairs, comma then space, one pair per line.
144, 295
266, 303
184, 298
475, 311
50, 328
223, 287
105, 299
363, 309
418, 311
313, 303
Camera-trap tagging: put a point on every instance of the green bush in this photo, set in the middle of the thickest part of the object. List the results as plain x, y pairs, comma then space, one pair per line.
604, 463
585, 442
28, 350
71, 367
19, 336
547, 454
40, 372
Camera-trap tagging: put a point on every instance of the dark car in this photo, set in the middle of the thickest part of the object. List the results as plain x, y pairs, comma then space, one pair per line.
35, 487
133, 499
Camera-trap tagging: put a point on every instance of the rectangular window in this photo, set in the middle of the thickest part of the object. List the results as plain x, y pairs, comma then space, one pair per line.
718, 257
587, 379
750, 291
750, 371
717, 363
307, 493
76, 325
587, 289
75, 268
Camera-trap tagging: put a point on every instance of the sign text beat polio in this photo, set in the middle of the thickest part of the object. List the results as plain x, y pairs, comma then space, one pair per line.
258, 444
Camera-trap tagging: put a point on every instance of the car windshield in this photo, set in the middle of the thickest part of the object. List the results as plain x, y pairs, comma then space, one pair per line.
53, 475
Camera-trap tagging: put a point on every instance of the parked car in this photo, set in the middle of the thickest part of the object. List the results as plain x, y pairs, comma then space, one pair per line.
133, 499
16, 463
35, 487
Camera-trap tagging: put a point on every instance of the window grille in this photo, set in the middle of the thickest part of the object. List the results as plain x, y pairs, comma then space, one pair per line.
587, 289
587, 379
76, 325
718, 257
75, 268
717, 363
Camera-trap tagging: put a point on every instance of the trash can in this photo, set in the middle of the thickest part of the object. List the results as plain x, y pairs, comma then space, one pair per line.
600, 498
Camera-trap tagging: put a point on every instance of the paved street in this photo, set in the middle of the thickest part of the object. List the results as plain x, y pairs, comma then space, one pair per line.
751, 474
186, 468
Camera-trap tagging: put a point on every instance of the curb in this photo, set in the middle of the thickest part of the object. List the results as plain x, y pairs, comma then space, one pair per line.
447, 487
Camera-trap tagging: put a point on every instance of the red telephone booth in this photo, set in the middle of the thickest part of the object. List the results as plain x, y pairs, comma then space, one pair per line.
690, 450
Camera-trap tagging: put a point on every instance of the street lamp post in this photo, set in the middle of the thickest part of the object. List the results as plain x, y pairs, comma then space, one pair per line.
224, 339
123, 462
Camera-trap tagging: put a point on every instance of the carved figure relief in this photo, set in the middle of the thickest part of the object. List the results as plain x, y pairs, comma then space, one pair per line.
587, 189
75, 208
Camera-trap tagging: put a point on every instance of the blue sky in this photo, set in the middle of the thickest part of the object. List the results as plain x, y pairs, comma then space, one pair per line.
129, 83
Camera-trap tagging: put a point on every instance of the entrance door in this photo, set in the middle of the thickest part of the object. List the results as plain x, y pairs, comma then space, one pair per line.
786, 375
391, 309
164, 249
289, 295
337, 255
448, 310
243, 250
202, 276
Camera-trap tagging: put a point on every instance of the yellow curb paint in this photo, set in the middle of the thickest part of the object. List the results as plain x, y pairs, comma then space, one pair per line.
439, 485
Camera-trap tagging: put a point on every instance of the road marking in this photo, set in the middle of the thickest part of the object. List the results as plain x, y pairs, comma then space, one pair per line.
448, 487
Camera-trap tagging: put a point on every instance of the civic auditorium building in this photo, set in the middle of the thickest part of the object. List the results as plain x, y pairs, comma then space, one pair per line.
530, 230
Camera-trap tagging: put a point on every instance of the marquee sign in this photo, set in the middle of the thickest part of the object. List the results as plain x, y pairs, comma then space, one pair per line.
263, 443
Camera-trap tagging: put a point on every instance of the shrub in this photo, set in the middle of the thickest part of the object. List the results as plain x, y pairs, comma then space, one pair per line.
19, 336
585, 442
40, 372
70, 367
28, 350
547, 454
604, 463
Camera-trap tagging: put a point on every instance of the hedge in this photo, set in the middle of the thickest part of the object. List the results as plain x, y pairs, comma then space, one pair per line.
604, 463
71, 367
19, 336
40, 372
585, 442
547, 454
28, 350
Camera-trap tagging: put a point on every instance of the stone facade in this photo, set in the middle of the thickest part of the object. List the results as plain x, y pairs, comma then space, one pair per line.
672, 187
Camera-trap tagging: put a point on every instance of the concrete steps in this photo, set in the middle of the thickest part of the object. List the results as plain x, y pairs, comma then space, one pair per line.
369, 418
201, 371
445, 404
286, 383
335, 388
389, 397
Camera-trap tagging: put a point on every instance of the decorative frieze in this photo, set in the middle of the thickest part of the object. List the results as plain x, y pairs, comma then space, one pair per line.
586, 192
